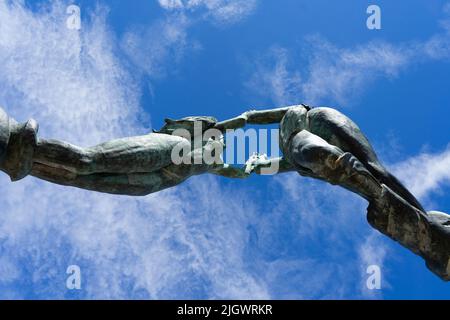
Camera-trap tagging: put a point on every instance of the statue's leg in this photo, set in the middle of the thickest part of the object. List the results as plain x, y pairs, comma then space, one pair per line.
335, 147
339, 130
61, 155
332, 164
135, 154
132, 184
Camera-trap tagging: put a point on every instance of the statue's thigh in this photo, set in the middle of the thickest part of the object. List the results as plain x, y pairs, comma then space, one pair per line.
338, 130
312, 152
132, 184
135, 154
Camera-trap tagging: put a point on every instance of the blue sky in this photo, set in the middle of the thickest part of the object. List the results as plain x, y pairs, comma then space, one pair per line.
133, 63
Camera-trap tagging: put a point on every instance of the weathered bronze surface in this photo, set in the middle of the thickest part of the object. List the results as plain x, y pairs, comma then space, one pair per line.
321, 143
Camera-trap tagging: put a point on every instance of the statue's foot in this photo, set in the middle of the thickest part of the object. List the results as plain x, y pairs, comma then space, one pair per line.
425, 234
440, 218
22, 143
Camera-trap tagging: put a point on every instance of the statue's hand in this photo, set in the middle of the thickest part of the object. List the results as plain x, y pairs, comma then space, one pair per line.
243, 118
246, 115
255, 162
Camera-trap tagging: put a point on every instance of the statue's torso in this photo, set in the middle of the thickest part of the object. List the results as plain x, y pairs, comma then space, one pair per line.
294, 121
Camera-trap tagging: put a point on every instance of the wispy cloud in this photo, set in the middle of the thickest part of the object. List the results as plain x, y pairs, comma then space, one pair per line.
332, 74
274, 79
187, 242
327, 74
221, 11
157, 49
71, 77
373, 252
200, 240
313, 241
425, 173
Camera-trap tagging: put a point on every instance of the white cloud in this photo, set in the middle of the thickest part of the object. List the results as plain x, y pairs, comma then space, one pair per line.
339, 74
186, 242
373, 252
425, 173
171, 4
273, 78
333, 75
157, 49
222, 11
194, 241
49, 71
438, 46
315, 238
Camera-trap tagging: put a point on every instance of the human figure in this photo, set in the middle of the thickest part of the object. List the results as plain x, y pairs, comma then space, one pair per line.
323, 143
320, 143
134, 166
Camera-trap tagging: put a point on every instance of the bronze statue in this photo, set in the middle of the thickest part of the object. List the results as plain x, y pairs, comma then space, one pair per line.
321, 143
134, 166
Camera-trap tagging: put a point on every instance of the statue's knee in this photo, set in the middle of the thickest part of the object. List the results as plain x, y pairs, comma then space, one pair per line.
308, 154
318, 158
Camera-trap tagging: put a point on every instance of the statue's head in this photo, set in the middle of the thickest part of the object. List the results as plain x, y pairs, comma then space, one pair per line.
189, 124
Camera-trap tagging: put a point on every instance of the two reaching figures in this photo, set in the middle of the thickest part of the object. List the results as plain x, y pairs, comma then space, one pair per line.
320, 143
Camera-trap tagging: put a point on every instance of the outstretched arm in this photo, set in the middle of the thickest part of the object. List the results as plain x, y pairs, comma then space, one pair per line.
230, 171
258, 164
262, 165
253, 117
265, 167
266, 116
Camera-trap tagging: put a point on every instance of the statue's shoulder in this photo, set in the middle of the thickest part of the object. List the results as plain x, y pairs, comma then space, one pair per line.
297, 111
298, 108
